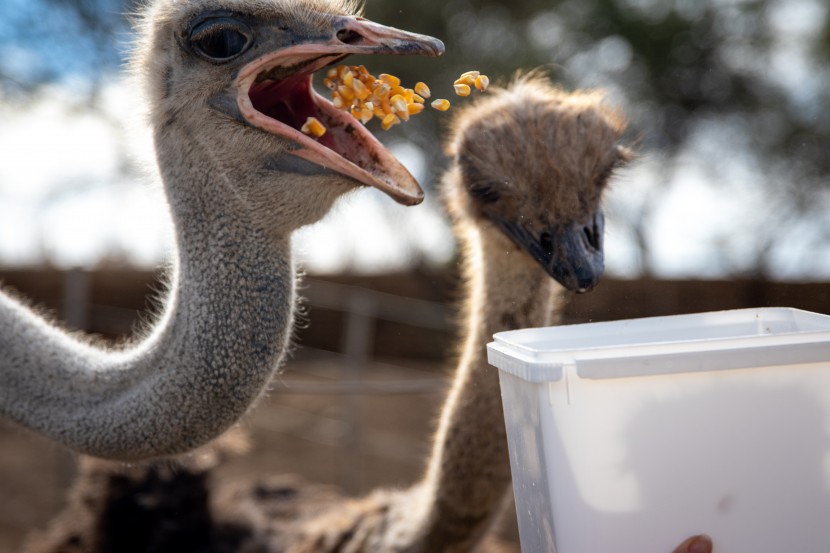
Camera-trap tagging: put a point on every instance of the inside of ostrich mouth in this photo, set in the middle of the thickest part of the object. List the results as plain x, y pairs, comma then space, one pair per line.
280, 98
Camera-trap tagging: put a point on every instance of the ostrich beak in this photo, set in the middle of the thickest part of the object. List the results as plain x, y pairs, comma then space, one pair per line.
571, 253
274, 94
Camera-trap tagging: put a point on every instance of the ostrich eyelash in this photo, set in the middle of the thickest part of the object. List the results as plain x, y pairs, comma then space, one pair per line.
484, 193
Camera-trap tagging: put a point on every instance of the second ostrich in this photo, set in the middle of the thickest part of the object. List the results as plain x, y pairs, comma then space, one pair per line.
530, 166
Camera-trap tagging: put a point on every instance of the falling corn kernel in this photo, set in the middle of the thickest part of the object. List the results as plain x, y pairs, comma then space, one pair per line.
389, 121
356, 91
313, 127
462, 89
482, 82
441, 104
391, 80
345, 92
360, 90
398, 103
421, 89
415, 109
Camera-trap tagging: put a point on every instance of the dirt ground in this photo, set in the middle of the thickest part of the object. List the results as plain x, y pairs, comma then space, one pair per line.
309, 425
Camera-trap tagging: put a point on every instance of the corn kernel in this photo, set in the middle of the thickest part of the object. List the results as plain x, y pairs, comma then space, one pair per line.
482, 82
462, 89
391, 80
422, 90
346, 92
389, 121
360, 89
366, 115
313, 127
398, 103
382, 90
365, 96
441, 104
415, 109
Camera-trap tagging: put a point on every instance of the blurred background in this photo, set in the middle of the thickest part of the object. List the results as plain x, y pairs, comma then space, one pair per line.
726, 207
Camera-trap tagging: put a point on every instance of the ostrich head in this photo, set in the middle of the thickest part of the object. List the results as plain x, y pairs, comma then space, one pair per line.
534, 161
232, 78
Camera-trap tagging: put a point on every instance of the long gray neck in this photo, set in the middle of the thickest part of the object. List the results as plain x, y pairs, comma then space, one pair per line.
469, 474
215, 346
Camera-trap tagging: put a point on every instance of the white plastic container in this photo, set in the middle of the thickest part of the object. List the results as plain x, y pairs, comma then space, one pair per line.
630, 436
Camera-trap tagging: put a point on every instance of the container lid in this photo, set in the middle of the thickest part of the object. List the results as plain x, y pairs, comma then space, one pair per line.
719, 340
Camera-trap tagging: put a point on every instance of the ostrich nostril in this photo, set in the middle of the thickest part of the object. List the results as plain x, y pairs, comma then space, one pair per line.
348, 36
592, 236
546, 242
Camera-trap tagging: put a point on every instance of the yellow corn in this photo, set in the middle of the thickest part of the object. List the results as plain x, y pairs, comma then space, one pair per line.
345, 92
360, 90
421, 89
366, 114
391, 80
415, 109
398, 103
482, 82
441, 104
462, 89
365, 96
313, 127
389, 121
382, 90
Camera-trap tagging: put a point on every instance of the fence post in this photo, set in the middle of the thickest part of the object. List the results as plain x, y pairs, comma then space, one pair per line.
358, 334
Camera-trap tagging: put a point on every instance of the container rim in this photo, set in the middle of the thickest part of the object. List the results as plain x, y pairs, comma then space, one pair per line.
717, 340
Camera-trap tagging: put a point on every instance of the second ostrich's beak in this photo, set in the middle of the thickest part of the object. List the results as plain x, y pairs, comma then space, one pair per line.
571, 253
274, 94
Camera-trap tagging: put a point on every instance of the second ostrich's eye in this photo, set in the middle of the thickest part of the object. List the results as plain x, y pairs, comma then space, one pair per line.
220, 39
484, 193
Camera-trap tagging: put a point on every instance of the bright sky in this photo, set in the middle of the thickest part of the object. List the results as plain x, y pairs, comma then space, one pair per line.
61, 201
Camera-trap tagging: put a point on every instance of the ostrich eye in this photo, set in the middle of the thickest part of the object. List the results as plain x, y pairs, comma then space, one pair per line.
484, 193
220, 39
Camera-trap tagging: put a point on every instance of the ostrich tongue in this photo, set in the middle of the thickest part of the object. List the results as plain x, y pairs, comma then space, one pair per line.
274, 94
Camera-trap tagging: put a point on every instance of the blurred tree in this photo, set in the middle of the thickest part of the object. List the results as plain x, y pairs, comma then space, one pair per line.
726, 85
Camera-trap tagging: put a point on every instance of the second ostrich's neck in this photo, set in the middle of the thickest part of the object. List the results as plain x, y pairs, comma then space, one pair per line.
211, 353
469, 472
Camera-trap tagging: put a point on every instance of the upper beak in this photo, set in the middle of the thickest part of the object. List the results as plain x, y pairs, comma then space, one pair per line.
367, 37
570, 253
